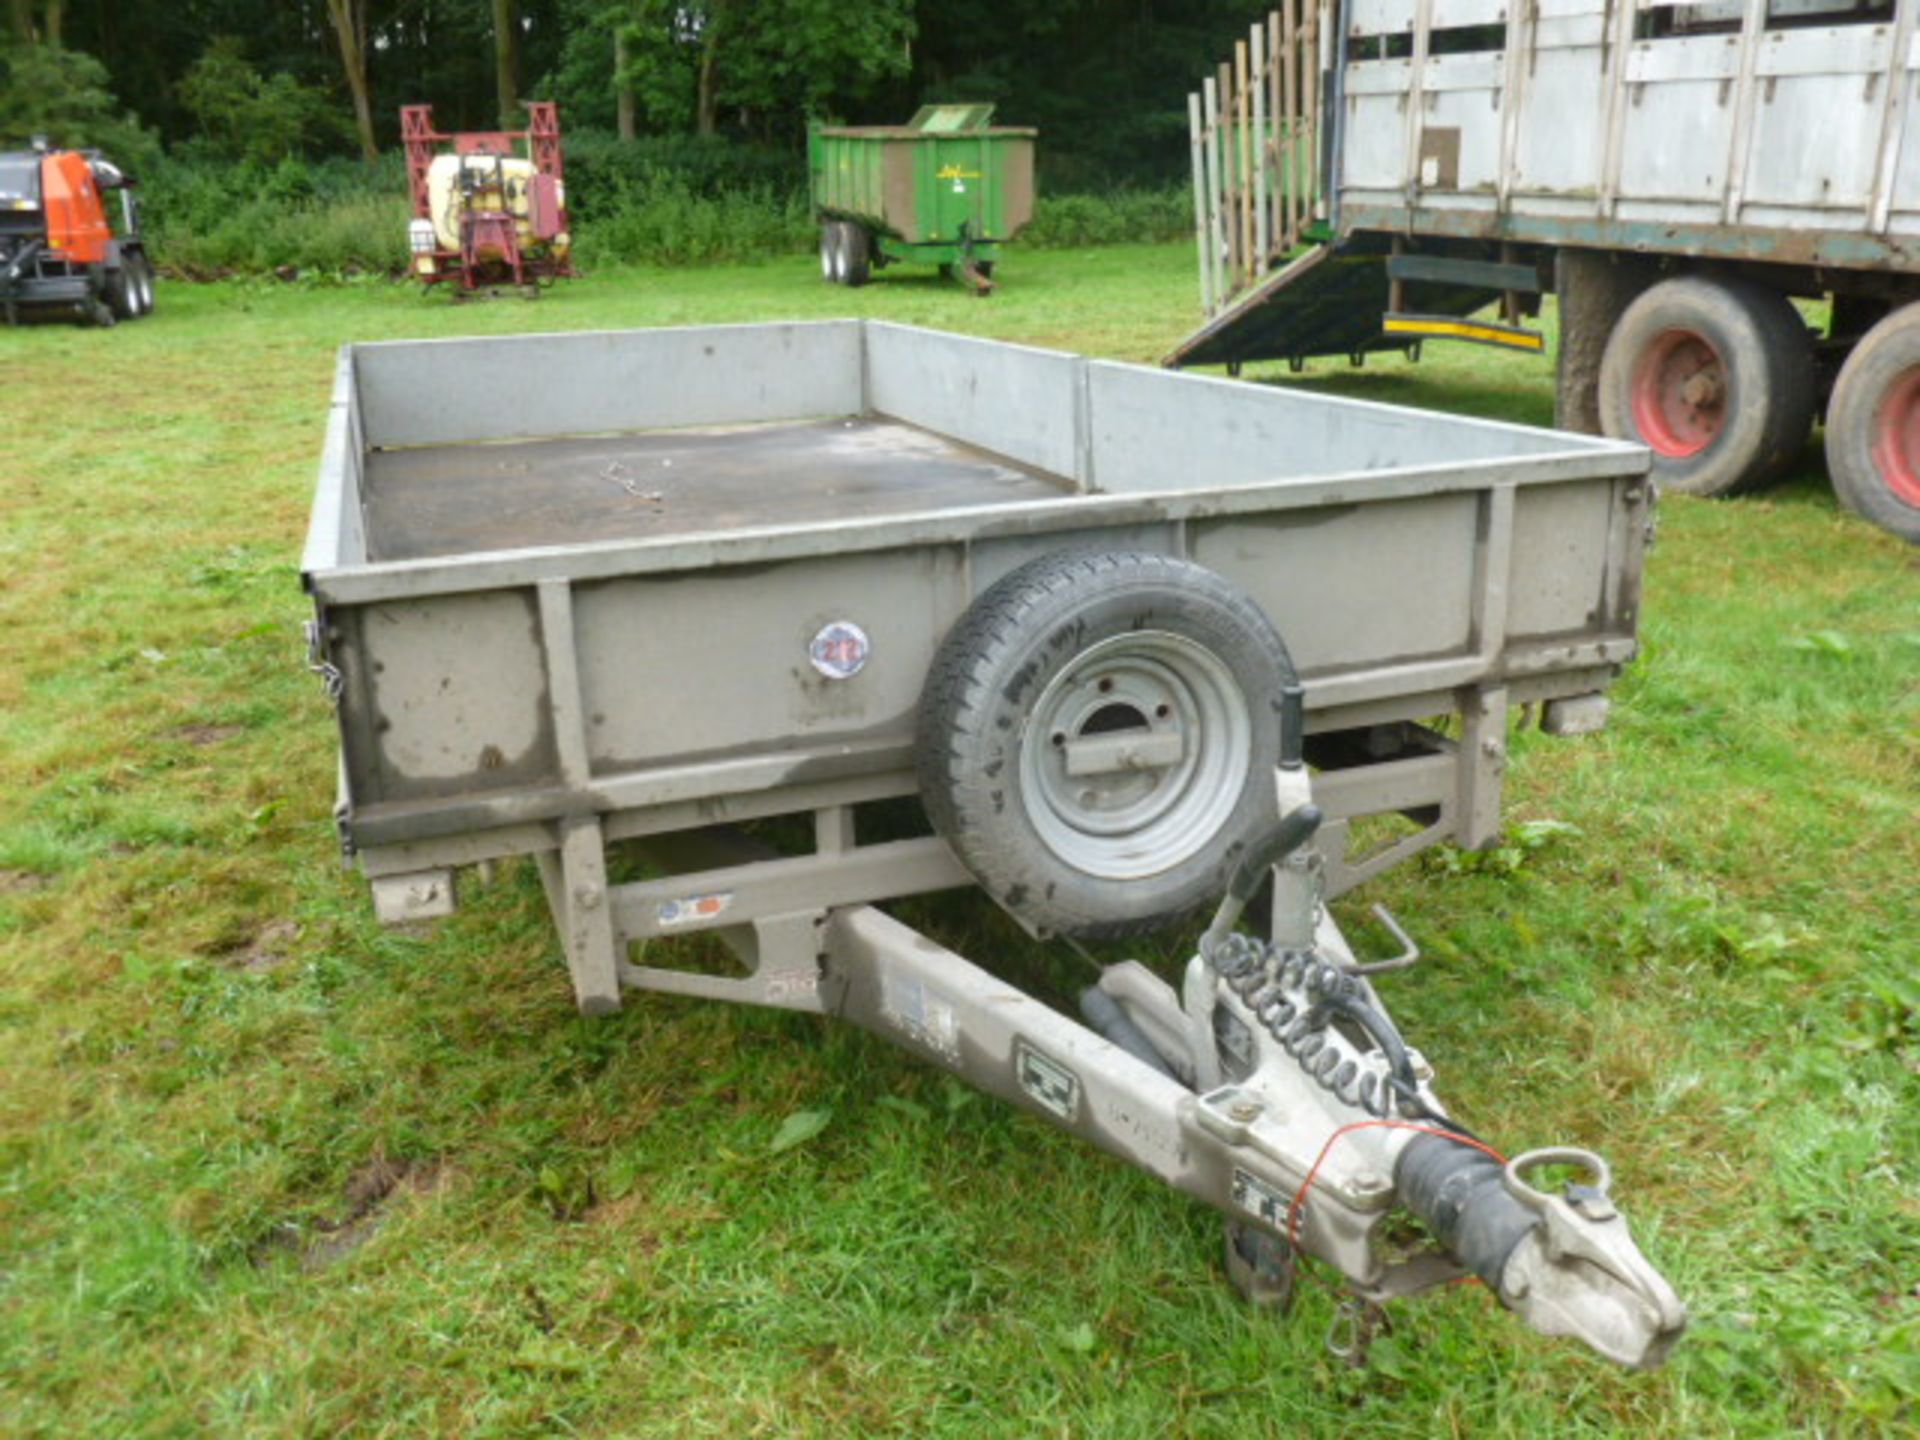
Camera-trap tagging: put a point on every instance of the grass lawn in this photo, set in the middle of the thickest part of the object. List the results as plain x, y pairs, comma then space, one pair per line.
267, 1168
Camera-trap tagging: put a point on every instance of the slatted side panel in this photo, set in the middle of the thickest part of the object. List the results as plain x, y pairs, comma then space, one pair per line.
1255, 130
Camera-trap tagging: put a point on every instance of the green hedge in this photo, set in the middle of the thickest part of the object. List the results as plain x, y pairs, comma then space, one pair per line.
331, 217
671, 202
1115, 217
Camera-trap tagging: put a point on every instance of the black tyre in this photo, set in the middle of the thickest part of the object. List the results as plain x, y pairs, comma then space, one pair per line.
830, 251
120, 292
1716, 377
1873, 426
857, 255
1097, 739
143, 274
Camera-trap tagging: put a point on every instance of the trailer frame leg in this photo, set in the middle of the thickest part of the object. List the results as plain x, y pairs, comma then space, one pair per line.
575, 878
1482, 766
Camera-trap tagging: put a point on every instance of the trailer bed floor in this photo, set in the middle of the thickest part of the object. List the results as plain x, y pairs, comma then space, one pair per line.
455, 499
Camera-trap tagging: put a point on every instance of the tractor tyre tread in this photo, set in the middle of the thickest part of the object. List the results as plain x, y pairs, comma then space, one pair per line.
1888, 352
1768, 353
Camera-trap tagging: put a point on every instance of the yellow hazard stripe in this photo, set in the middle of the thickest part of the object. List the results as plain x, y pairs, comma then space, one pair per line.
1465, 330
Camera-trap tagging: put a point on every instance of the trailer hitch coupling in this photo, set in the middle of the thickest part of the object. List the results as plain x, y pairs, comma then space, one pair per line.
1565, 1263
1319, 1080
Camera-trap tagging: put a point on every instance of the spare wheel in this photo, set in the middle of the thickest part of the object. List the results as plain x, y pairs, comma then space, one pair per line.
1098, 736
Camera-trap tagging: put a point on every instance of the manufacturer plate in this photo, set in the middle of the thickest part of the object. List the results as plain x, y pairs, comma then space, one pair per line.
1046, 1082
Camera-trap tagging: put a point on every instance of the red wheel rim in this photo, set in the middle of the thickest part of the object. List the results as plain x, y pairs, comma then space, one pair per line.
1896, 437
1680, 393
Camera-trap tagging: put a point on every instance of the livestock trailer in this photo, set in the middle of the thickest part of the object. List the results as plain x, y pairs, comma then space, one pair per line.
948, 188
1130, 639
1372, 174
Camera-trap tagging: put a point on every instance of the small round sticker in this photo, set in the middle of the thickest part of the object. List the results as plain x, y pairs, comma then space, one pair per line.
840, 650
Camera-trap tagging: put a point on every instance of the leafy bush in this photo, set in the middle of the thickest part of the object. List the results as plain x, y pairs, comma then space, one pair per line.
659, 202
679, 200
206, 219
671, 224
1117, 217
65, 96
602, 169
247, 115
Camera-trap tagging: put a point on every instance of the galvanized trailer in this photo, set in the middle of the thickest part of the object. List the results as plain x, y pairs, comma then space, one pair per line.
693, 577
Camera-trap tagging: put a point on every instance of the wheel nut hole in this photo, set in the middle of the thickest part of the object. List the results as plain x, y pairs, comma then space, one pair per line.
1059, 737
1106, 686
1162, 710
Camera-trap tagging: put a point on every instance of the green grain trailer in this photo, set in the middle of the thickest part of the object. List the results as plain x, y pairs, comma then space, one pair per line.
947, 189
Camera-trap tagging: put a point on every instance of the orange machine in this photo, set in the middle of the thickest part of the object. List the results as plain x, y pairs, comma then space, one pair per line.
59, 252
76, 220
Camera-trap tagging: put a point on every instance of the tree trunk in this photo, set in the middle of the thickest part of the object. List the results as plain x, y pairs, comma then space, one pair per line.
50, 32
350, 28
622, 82
20, 21
705, 121
506, 57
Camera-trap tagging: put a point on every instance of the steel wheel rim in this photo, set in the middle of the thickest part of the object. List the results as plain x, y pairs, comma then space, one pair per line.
1133, 823
1679, 393
1896, 437
826, 252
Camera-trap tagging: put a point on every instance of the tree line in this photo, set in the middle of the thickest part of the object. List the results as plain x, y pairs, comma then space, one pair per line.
1105, 80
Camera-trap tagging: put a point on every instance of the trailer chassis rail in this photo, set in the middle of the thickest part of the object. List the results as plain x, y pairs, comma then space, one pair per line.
1273, 1086
1240, 1090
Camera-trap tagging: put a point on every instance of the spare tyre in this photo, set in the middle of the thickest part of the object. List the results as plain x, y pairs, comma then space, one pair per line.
1098, 736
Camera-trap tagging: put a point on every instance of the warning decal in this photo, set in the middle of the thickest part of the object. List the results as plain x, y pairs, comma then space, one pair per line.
691, 909
923, 1013
1259, 1199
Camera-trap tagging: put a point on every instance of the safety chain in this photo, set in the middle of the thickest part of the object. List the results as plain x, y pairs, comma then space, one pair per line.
1351, 1333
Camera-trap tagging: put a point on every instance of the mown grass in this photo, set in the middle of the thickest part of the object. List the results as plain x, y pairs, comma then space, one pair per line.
267, 1168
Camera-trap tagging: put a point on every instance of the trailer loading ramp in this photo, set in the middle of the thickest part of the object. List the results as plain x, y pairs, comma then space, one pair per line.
1329, 300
